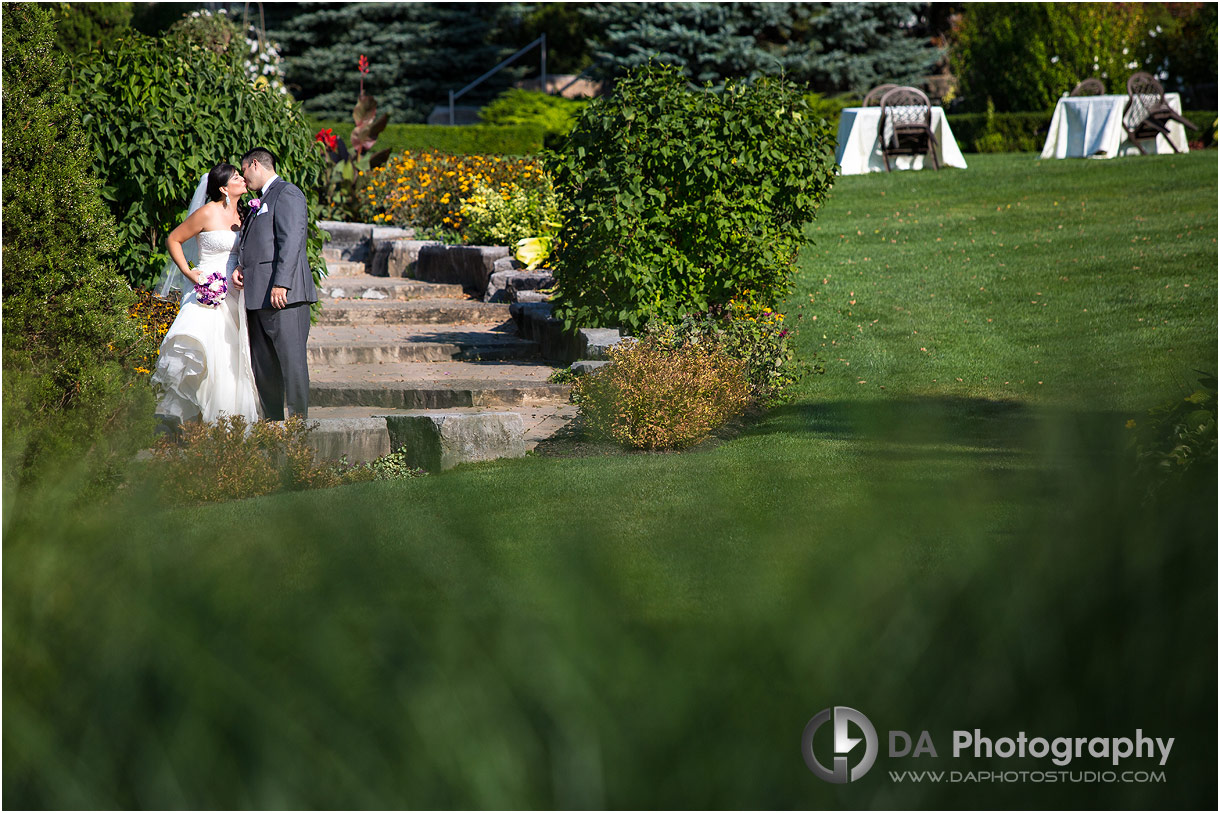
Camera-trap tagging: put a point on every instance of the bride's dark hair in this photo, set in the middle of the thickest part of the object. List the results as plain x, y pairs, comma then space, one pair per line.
218, 178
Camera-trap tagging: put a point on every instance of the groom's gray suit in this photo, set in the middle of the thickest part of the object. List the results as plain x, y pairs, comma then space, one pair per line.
271, 253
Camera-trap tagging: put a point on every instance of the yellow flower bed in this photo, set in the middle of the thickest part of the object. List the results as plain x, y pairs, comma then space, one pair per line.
426, 189
155, 315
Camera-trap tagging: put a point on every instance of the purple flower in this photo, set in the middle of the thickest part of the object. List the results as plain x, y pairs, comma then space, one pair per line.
255, 203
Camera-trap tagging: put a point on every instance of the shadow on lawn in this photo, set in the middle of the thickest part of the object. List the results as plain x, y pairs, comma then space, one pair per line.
949, 420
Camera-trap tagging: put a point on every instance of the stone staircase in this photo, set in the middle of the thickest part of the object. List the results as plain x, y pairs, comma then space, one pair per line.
391, 348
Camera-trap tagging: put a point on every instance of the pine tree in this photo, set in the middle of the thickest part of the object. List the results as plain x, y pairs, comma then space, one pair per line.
417, 52
827, 46
862, 45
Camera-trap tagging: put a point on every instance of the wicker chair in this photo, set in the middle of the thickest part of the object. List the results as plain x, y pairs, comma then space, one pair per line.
1146, 114
874, 95
905, 126
1089, 87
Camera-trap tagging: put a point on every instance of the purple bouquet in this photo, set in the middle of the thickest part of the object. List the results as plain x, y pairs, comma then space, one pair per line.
211, 290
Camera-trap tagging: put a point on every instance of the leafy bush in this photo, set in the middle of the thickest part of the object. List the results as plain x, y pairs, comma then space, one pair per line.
759, 338
661, 394
427, 189
71, 385
553, 113
1000, 132
509, 214
159, 115
1178, 438
232, 459
473, 139
676, 200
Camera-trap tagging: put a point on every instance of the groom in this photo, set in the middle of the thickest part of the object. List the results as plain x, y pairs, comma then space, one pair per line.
273, 268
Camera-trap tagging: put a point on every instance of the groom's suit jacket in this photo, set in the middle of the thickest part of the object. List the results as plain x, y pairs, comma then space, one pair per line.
272, 248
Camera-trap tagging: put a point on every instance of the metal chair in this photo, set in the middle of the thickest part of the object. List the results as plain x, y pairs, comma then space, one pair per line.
905, 126
1146, 114
874, 95
1089, 87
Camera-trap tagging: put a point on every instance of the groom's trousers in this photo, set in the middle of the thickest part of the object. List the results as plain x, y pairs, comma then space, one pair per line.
277, 353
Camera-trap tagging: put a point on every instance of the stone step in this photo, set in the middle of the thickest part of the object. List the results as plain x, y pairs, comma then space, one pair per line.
367, 287
343, 268
370, 344
434, 385
360, 433
415, 312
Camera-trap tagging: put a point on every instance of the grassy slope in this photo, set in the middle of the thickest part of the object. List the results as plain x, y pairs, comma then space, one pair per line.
655, 630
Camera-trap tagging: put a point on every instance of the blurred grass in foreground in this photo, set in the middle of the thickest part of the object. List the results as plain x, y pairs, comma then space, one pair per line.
643, 631
654, 631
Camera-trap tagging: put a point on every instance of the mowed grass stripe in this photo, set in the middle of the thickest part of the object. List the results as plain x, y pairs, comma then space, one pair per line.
1096, 278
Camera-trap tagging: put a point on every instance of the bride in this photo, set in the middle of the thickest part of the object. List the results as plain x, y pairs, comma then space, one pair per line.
204, 365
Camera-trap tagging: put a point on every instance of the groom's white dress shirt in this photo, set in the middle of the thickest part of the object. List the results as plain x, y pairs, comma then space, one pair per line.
267, 185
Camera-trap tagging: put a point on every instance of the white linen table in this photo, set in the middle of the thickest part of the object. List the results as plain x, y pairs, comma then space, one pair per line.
859, 149
1092, 127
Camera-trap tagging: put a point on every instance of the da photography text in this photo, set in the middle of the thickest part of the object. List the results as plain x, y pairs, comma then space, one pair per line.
855, 745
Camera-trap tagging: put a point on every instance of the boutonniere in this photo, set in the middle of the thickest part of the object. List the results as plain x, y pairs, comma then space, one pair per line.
255, 203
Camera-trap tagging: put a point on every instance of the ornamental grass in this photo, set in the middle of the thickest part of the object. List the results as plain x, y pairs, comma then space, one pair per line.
426, 189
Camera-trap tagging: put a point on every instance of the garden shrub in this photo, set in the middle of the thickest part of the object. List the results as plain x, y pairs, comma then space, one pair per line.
675, 200
552, 112
660, 394
470, 139
1000, 132
233, 459
72, 391
159, 115
759, 338
506, 215
427, 189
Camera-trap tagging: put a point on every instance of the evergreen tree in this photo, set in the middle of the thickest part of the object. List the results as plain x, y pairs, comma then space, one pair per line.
417, 52
827, 46
67, 390
708, 41
862, 45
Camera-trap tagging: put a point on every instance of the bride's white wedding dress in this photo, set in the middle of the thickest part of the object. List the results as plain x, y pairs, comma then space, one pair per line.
204, 367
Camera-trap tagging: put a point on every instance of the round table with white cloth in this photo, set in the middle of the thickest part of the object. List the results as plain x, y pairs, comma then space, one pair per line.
859, 149
1092, 127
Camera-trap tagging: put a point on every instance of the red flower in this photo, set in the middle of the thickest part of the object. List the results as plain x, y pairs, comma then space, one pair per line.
363, 64
328, 138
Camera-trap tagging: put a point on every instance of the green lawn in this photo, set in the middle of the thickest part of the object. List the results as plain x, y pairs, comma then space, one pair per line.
654, 630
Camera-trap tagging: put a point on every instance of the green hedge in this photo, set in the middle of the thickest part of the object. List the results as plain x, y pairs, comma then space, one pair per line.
484, 139
1026, 132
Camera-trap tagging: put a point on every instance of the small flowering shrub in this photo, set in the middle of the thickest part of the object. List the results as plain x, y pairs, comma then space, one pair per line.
509, 214
426, 189
232, 459
756, 336
658, 394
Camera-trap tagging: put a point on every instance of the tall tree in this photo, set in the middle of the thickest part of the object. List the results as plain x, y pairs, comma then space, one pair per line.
417, 52
1024, 56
